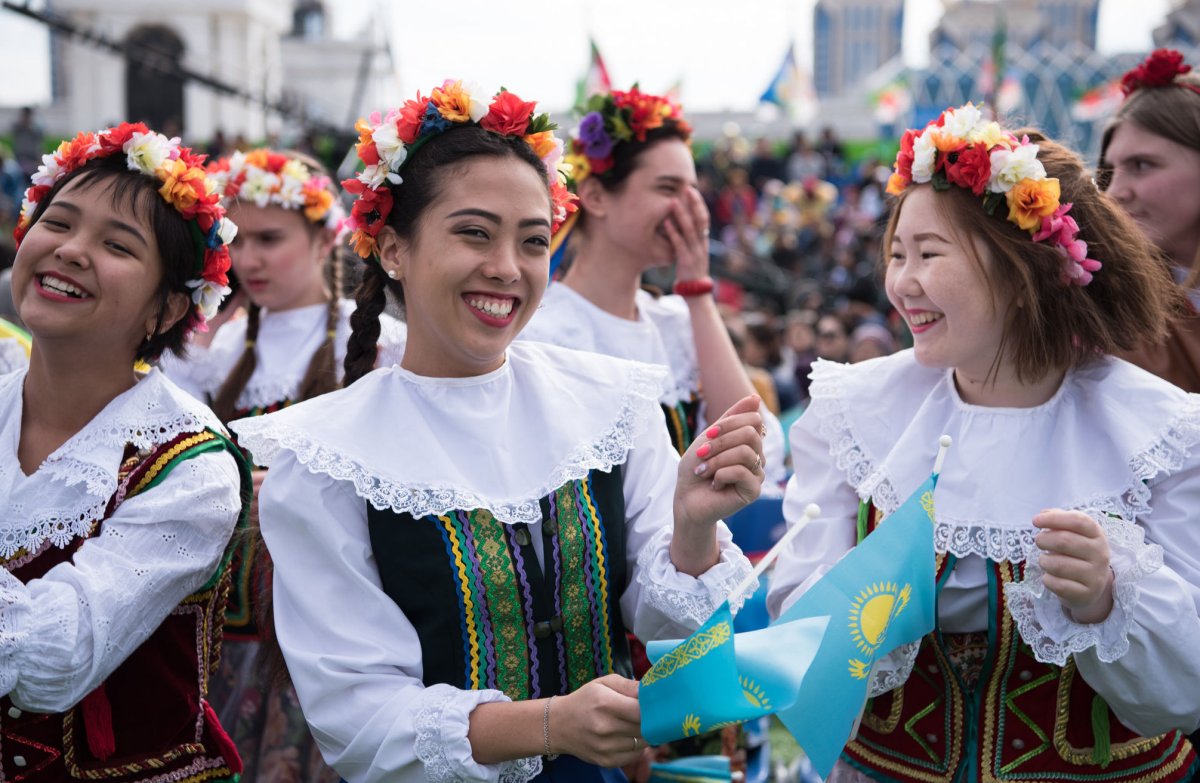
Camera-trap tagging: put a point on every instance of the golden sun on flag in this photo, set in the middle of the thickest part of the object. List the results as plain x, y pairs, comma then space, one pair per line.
873, 610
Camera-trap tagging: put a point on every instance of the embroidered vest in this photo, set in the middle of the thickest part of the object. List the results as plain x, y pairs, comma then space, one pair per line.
149, 720
1022, 721
488, 616
681, 422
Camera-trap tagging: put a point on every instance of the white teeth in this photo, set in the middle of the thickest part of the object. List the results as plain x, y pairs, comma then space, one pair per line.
61, 286
498, 308
924, 318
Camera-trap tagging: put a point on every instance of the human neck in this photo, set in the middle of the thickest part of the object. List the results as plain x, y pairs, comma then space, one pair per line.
606, 276
1004, 389
64, 390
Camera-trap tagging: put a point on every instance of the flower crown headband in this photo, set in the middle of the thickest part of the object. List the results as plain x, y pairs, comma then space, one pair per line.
184, 186
962, 148
266, 177
385, 142
612, 118
1159, 69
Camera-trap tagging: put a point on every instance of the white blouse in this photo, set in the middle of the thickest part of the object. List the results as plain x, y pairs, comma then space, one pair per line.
286, 343
1114, 442
421, 446
64, 633
12, 355
662, 335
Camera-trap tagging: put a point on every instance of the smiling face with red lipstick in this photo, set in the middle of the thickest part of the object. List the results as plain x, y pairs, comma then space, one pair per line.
475, 268
956, 316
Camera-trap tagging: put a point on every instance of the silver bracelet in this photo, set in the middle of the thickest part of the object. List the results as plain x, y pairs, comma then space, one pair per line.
546, 731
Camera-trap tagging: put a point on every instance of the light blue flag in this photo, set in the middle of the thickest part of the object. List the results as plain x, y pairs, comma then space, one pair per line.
880, 596
715, 677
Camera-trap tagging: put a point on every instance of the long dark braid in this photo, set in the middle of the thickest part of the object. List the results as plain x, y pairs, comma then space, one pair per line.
371, 298
321, 375
225, 403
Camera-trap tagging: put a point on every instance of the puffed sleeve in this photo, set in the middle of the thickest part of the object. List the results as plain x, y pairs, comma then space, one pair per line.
663, 602
354, 658
1144, 659
62, 634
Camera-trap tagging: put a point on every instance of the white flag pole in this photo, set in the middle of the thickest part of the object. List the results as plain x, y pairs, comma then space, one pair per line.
811, 512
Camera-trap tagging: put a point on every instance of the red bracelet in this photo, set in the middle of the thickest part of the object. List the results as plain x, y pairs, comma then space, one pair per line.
697, 287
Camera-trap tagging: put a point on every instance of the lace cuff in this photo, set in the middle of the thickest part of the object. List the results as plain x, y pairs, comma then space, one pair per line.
14, 630
893, 670
1046, 625
691, 600
443, 716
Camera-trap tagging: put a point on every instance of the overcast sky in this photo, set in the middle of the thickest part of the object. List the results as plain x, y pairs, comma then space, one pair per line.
723, 52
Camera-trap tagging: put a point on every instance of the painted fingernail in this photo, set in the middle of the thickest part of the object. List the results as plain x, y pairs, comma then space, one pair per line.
703, 451
701, 469
712, 432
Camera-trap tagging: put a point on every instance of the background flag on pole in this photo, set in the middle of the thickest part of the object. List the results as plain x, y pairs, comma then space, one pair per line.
595, 81
879, 596
791, 90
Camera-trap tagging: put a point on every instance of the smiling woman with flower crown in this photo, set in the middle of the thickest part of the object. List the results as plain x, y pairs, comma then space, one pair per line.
460, 541
118, 491
1066, 541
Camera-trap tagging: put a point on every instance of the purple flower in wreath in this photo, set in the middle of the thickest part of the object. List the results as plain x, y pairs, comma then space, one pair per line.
596, 143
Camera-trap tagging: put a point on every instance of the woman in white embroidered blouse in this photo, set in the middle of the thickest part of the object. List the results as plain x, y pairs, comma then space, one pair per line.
441, 616
632, 168
1067, 503
118, 491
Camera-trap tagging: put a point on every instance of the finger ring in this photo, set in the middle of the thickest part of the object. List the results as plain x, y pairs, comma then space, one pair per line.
635, 743
758, 462
762, 431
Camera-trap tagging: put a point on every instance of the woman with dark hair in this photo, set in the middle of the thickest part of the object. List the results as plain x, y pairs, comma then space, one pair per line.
632, 169
462, 539
119, 492
1065, 533
1150, 165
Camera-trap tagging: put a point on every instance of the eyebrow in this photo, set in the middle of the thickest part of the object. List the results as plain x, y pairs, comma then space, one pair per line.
113, 222
494, 218
670, 178
930, 235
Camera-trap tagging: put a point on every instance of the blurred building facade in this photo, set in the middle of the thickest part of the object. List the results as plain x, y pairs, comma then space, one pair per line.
280, 55
851, 39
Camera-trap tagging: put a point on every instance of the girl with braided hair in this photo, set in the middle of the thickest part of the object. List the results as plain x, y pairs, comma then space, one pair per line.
460, 541
119, 492
288, 348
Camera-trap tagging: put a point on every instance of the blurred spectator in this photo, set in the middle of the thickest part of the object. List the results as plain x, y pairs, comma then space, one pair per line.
833, 342
27, 142
804, 162
736, 201
833, 156
869, 341
765, 165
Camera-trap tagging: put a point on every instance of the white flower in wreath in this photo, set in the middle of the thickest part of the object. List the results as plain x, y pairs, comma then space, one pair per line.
47, 173
1011, 166
291, 193
258, 187
391, 150
227, 230
375, 175
924, 152
207, 296
146, 152
960, 122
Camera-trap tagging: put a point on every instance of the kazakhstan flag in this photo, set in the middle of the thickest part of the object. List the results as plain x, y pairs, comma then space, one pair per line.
715, 677
813, 664
880, 596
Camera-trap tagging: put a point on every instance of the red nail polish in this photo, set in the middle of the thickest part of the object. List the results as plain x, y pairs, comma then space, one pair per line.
702, 452
712, 432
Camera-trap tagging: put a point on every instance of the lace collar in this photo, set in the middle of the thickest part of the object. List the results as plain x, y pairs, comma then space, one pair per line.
499, 441
72, 487
662, 334
12, 355
1109, 429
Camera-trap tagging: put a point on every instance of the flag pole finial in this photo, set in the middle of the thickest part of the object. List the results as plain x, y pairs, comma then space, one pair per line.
944, 444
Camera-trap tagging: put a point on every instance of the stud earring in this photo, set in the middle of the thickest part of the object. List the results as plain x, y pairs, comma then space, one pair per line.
391, 273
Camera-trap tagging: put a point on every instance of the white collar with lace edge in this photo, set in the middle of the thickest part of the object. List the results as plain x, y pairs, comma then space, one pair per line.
499, 441
72, 487
1108, 430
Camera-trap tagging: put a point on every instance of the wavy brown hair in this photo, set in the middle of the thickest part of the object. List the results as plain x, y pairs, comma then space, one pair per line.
1051, 324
